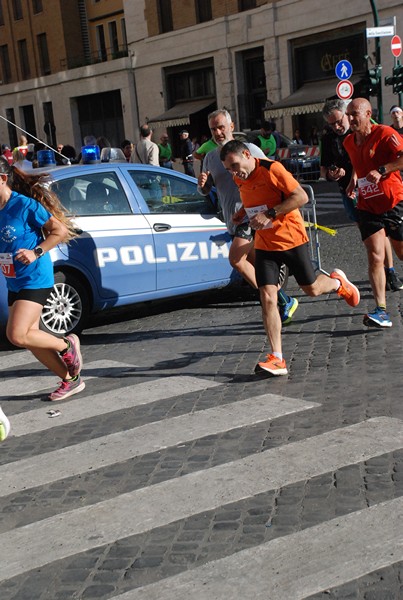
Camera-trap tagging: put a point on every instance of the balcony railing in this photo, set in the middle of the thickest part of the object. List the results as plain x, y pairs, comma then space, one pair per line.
99, 56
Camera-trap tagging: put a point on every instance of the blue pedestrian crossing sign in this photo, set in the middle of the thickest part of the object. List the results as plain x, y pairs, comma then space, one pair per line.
344, 69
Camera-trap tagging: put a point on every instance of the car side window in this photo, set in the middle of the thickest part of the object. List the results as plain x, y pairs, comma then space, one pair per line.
92, 194
166, 193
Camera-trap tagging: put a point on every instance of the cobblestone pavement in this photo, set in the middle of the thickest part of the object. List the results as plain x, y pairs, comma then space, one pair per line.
177, 472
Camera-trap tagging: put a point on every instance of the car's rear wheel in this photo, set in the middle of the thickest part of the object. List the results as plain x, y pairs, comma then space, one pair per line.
67, 308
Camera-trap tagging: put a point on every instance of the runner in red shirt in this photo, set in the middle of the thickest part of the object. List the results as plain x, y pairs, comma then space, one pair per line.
271, 198
376, 152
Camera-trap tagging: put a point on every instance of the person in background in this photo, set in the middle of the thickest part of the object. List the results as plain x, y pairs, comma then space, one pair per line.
7, 154
314, 136
20, 161
146, 152
271, 198
376, 153
337, 166
297, 138
266, 140
165, 152
22, 145
186, 150
127, 148
103, 142
34, 215
396, 114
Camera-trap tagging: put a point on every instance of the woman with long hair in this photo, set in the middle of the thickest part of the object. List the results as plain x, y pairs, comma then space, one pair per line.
32, 222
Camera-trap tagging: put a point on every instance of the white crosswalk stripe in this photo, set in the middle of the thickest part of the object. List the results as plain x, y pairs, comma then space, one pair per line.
370, 537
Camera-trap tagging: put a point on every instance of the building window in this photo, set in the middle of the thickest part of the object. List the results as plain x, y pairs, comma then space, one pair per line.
191, 85
165, 15
101, 47
37, 6
203, 11
12, 131
123, 31
5, 64
113, 38
1, 13
246, 4
43, 54
17, 9
24, 59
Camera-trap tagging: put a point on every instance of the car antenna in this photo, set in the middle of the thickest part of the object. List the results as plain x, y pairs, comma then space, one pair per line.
37, 139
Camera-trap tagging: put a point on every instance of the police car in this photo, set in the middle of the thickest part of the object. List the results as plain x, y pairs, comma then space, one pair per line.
145, 233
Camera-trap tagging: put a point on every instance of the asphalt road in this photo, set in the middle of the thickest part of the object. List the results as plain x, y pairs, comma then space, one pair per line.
178, 473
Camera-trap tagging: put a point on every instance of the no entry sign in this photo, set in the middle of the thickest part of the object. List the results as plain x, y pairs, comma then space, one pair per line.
396, 46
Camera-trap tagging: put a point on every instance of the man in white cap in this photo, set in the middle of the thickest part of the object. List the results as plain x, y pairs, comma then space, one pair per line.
396, 114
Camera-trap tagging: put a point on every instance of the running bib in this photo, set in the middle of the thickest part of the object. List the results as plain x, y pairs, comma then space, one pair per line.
369, 190
255, 210
7, 264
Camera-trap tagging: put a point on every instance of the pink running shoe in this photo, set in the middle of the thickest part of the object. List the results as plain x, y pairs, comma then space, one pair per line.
67, 388
72, 357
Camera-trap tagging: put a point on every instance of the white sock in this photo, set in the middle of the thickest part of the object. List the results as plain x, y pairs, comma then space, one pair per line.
278, 355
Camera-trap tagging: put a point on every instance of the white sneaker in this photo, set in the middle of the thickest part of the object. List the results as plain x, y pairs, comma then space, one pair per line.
4, 426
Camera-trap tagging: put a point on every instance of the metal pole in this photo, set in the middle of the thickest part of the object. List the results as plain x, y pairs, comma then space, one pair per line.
378, 60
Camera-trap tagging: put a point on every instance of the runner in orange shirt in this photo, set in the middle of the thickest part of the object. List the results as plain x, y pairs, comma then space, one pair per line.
376, 152
271, 198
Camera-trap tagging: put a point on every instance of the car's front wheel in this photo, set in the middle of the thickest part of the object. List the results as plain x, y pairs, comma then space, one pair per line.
67, 308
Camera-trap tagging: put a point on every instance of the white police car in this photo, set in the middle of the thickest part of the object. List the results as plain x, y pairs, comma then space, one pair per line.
146, 234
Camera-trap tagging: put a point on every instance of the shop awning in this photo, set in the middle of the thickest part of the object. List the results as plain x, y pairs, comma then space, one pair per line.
180, 114
307, 99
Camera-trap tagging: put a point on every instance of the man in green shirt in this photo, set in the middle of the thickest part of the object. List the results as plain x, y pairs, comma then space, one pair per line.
266, 140
165, 152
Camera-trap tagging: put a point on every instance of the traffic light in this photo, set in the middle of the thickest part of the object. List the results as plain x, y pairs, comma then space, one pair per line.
373, 78
396, 80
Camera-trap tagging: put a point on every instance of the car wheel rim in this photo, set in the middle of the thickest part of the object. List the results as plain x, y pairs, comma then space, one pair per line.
63, 309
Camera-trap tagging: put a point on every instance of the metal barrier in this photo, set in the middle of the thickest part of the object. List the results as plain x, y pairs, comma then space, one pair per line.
302, 161
308, 212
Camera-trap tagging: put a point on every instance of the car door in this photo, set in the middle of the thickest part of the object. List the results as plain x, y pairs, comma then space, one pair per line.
191, 243
112, 249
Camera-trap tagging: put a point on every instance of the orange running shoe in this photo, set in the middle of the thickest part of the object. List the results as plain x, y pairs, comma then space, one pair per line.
347, 290
272, 365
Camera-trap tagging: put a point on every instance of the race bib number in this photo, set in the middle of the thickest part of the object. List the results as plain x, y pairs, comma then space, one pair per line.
255, 210
7, 264
369, 190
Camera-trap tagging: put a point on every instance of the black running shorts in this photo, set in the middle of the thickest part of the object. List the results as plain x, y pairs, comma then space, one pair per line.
267, 265
39, 296
392, 221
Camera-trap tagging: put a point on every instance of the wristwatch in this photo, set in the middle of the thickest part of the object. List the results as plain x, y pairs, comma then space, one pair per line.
382, 170
39, 252
271, 213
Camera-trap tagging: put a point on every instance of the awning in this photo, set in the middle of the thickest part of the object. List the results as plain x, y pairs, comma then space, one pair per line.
309, 98
180, 114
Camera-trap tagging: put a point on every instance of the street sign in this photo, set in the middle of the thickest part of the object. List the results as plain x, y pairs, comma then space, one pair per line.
344, 89
380, 31
396, 46
344, 69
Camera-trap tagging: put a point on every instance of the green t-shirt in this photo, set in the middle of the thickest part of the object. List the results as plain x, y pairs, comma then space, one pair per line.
268, 145
207, 147
165, 151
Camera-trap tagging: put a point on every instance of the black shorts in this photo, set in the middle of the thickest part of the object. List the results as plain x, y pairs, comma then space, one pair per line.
268, 263
244, 231
392, 221
39, 296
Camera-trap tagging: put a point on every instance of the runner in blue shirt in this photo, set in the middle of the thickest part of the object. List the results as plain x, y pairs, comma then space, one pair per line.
32, 222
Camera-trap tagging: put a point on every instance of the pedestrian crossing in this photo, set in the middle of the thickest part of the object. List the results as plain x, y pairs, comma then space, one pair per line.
48, 545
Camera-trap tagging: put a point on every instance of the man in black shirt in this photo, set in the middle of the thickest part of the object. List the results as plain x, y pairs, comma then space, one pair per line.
335, 161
